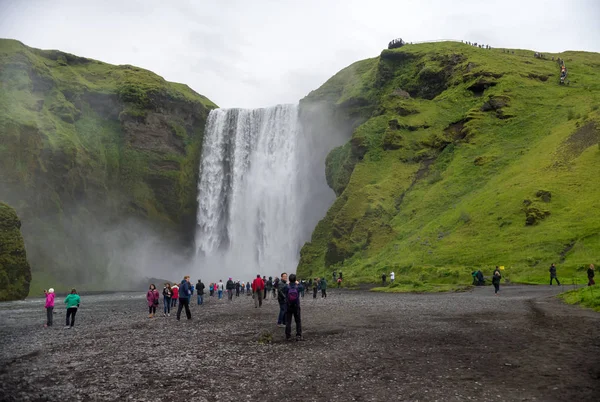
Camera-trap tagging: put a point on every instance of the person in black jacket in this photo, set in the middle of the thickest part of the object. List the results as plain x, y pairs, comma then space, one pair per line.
281, 299
591, 275
230, 286
200, 291
496, 276
553, 274
237, 289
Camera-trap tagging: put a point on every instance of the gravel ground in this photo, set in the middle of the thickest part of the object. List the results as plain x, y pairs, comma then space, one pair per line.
524, 345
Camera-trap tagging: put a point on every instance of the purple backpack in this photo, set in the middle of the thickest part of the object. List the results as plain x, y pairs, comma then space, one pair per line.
292, 296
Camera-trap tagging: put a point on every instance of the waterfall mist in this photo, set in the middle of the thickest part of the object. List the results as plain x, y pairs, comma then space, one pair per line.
262, 190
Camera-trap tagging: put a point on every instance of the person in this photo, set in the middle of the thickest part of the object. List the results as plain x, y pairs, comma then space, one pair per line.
191, 294
383, 277
230, 287
220, 288
315, 287
334, 276
553, 274
175, 290
257, 291
323, 283
200, 291
590, 274
341, 277
243, 287
152, 298
264, 278
211, 289
496, 280
167, 296
237, 289
248, 287
269, 286
281, 299
301, 288
72, 301
292, 300
184, 298
49, 306
392, 277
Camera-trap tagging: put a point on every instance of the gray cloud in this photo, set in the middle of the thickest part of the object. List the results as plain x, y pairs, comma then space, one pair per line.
262, 52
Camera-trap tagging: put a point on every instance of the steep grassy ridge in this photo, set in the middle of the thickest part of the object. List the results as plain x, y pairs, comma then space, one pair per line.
85, 145
15, 273
466, 158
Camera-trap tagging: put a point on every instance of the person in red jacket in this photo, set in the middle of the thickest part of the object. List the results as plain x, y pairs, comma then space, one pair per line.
258, 287
175, 297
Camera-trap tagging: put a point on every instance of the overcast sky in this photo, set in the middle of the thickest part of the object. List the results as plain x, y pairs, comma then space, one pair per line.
255, 53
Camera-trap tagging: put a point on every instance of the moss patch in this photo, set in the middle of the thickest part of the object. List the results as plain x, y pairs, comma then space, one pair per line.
15, 273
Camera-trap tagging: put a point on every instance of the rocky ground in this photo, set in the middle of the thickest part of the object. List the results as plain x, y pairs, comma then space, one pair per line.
359, 346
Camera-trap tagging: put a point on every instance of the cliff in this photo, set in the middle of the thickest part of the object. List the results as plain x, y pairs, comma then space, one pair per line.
15, 273
460, 158
89, 153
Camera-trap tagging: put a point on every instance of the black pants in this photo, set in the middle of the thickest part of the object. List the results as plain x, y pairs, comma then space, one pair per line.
496, 287
237, 292
554, 277
314, 293
71, 311
323, 292
293, 311
152, 309
49, 311
184, 303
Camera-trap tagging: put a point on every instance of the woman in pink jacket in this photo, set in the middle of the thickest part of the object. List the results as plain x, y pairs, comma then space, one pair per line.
49, 306
153, 298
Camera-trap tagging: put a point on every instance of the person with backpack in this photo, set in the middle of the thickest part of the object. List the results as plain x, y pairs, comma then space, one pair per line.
553, 274
200, 291
323, 283
281, 299
184, 298
72, 301
152, 297
268, 286
257, 291
230, 287
496, 276
237, 289
167, 295
248, 287
590, 275
275, 287
292, 301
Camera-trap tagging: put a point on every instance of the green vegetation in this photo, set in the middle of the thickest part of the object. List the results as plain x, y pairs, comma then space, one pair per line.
460, 159
588, 296
85, 145
15, 273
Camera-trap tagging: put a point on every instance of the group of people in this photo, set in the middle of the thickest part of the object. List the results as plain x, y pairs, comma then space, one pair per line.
71, 302
384, 278
479, 45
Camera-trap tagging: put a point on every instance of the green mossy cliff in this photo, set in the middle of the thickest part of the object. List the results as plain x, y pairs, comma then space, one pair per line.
15, 273
85, 145
461, 158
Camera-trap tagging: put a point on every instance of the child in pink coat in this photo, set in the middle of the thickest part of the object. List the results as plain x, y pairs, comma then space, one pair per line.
49, 306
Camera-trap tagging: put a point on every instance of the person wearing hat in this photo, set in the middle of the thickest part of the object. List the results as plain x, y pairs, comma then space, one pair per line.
49, 306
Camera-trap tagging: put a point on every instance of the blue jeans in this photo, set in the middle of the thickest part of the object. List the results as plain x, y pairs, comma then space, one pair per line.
282, 312
200, 299
167, 303
173, 302
220, 294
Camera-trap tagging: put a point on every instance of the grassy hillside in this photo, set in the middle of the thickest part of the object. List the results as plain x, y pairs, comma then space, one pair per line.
588, 296
84, 147
466, 158
15, 273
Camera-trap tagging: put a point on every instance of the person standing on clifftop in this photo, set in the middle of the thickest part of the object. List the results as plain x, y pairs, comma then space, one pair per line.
553, 274
184, 298
50, 306
590, 274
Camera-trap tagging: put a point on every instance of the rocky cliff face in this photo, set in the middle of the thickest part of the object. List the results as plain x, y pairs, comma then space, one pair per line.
449, 146
92, 152
15, 273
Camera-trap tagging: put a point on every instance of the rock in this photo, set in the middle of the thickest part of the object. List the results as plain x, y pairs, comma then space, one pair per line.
544, 195
15, 272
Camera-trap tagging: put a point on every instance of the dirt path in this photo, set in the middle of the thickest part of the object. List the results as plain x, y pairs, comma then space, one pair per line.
522, 346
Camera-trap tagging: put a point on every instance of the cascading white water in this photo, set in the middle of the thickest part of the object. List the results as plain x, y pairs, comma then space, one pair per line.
256, 177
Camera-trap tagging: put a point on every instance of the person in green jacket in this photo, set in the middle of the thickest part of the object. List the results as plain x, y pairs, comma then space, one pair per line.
323, 288
72, 301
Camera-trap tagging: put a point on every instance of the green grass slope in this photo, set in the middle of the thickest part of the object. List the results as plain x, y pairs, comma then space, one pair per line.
86, 145
466, 158
15, 272
588, 296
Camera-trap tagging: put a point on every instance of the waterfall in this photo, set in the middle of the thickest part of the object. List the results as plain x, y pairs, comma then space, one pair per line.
257, 176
